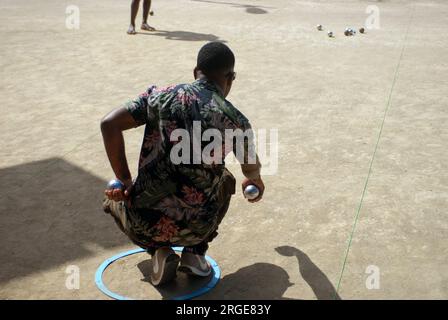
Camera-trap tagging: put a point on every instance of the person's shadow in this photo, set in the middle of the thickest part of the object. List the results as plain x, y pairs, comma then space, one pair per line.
253, 9
183, 35
316, 279
266, 281
260, 281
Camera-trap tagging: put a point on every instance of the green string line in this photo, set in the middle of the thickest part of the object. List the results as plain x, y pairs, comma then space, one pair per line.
373, 156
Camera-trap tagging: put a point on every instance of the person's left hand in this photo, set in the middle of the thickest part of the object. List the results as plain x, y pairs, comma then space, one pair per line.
120, 194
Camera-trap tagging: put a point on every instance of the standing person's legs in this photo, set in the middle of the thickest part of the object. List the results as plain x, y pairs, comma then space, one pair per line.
146, 8
134, 10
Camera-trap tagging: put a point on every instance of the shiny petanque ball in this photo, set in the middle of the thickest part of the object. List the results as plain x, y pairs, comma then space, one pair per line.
330, 34
349, 32
151, 13
115, 184
251, 192
361, 30
319, 27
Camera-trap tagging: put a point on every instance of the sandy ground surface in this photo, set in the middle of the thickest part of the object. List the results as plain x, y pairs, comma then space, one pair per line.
346, 199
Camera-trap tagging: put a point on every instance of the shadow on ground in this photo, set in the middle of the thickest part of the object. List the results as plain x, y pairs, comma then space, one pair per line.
182, 285
264, 281
253, 9
182, 35
320, 284
51, 214
260, 281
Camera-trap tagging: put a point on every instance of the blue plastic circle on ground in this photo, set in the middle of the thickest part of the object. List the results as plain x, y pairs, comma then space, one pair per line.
100, 284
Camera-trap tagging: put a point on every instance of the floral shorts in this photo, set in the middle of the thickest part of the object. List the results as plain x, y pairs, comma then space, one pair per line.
157, 230
152, 228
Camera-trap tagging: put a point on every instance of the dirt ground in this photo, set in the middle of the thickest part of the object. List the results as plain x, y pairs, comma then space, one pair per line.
357, 207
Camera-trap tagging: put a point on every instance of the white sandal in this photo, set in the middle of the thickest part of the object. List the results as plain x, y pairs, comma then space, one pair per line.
147, 27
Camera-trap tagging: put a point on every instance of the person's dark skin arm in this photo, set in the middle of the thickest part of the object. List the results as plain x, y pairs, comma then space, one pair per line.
112, 127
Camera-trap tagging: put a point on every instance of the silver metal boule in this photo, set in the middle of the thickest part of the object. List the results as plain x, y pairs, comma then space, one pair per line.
349, 32
115, 184
251, 192
330, 34
319, 27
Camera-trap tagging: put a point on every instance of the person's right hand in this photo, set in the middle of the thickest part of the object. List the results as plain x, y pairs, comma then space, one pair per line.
258, 183
120, 194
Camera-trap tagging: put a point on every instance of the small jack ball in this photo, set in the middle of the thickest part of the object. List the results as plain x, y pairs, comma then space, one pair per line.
362, 30
115, 184
151, 13
251, 192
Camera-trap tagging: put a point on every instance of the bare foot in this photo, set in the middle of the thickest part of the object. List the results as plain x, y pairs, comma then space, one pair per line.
147, 27
131, 30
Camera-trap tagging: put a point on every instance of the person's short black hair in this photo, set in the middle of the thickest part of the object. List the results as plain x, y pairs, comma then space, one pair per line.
215, 56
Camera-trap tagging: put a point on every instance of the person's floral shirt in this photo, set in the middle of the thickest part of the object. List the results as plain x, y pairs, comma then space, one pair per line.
180, 204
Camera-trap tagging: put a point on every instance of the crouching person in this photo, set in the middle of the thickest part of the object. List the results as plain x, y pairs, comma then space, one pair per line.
172, 202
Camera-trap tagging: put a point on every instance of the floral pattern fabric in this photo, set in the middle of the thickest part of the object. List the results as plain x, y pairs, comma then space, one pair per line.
180, 204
